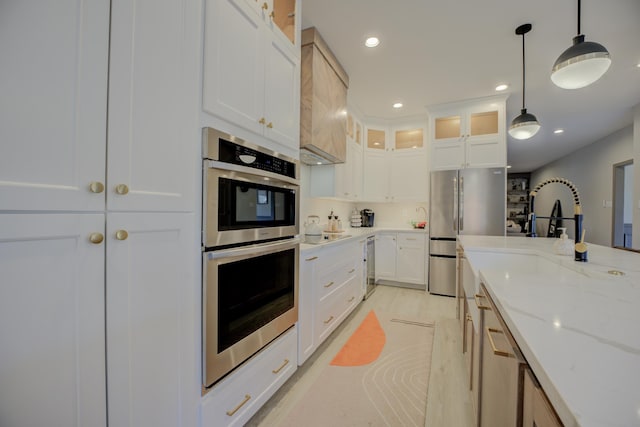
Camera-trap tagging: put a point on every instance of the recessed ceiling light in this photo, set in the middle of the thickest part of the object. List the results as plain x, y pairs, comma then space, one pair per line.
372, 42
638, 65
558, 131
501, 87
508, 166
397, 105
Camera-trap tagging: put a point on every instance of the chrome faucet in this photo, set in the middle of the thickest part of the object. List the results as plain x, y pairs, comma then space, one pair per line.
580, 254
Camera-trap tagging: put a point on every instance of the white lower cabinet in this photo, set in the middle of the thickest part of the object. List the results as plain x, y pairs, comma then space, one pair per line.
151, 319
52, 348
237, 397
401, 257
330, 288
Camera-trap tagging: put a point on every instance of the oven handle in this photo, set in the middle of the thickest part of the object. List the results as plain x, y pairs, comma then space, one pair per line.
257, 173
253, 249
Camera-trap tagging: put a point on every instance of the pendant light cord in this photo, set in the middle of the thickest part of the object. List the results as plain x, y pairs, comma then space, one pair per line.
523, 80
579, 16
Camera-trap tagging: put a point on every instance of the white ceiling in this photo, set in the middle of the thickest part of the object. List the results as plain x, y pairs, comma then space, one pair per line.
433, 52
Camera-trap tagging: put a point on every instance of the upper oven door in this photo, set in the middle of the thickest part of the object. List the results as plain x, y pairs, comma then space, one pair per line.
242, 207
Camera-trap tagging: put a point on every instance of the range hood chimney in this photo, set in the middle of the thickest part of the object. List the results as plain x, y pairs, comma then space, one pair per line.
323, 103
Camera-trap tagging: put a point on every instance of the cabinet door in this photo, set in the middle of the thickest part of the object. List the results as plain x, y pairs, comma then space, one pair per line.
52, 364
486, 153
376, 176
282, 94
385, 256
306, 307
151, 320
53, 82
408, 176
153, 119
411, 259
233, 79
447, 155
355, 170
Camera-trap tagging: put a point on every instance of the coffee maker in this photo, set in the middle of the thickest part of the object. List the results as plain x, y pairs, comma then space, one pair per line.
367, 217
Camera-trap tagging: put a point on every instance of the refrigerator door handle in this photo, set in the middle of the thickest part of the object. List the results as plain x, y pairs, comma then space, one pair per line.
461, 203
455, 204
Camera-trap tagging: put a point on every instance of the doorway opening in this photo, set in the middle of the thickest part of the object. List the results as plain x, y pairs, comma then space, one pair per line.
622, 204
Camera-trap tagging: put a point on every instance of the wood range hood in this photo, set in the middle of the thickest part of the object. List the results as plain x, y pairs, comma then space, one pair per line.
323, 103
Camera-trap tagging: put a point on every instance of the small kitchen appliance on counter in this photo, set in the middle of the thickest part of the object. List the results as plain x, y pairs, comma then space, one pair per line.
367, 217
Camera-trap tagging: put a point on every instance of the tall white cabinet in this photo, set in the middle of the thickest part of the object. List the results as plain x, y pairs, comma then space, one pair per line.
97, 225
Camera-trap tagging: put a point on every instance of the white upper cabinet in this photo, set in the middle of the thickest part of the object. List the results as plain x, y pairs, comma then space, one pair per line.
395, 164
251, 71
53, 82
468, 134
153, 111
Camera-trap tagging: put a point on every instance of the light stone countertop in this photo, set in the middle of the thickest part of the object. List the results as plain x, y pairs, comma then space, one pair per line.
577, 326
354, 234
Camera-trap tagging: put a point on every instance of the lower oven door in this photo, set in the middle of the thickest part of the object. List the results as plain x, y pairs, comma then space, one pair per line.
250, 297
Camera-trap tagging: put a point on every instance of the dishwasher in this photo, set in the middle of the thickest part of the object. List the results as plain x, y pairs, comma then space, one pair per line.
370, 266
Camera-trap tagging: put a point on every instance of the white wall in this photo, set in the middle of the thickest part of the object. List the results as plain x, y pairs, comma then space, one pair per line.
591, 170
636, 178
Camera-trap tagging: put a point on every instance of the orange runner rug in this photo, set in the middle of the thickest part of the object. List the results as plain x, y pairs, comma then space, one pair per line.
364, 346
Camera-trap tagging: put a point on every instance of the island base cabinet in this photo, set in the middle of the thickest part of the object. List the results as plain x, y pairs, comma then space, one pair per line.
536, 408
502, 372
237, 397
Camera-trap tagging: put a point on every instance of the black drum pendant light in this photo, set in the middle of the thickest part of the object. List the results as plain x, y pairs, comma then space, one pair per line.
581, 64
525, 125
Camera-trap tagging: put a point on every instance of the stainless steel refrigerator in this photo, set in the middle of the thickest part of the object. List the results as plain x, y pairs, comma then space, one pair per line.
469, 201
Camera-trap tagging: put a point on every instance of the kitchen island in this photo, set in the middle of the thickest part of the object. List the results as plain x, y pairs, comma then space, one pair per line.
576, 324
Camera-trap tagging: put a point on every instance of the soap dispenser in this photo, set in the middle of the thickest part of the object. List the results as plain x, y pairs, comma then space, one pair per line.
564, 245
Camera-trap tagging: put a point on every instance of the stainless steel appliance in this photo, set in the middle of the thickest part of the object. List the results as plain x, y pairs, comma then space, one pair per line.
250, 249
249, 193
469, 201
367, 217
250, 296
370, 266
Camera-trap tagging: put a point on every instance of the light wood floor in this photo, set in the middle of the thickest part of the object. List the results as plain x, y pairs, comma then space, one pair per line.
448, 401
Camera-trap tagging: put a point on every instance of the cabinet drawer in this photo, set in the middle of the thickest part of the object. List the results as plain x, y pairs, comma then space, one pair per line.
411, 240
237, 397
332, 280
332, 311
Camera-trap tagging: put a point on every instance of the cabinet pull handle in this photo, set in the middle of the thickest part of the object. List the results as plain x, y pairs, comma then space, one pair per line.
96, 238
469, 318
122, 235
285, 363
272, 15
411, 238
328, 285
262, 119
265, 6
351, 271
122, 189
312, 258
96, 187
496, 351
351, 299
328, 320
270, 125
480, 305
234, 410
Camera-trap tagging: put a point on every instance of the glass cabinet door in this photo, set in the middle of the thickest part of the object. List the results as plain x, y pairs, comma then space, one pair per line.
376, 139
447, 127
284, 16
483, 123
411, 138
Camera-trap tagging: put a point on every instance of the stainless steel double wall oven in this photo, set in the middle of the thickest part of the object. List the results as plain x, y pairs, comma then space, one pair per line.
250, 250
